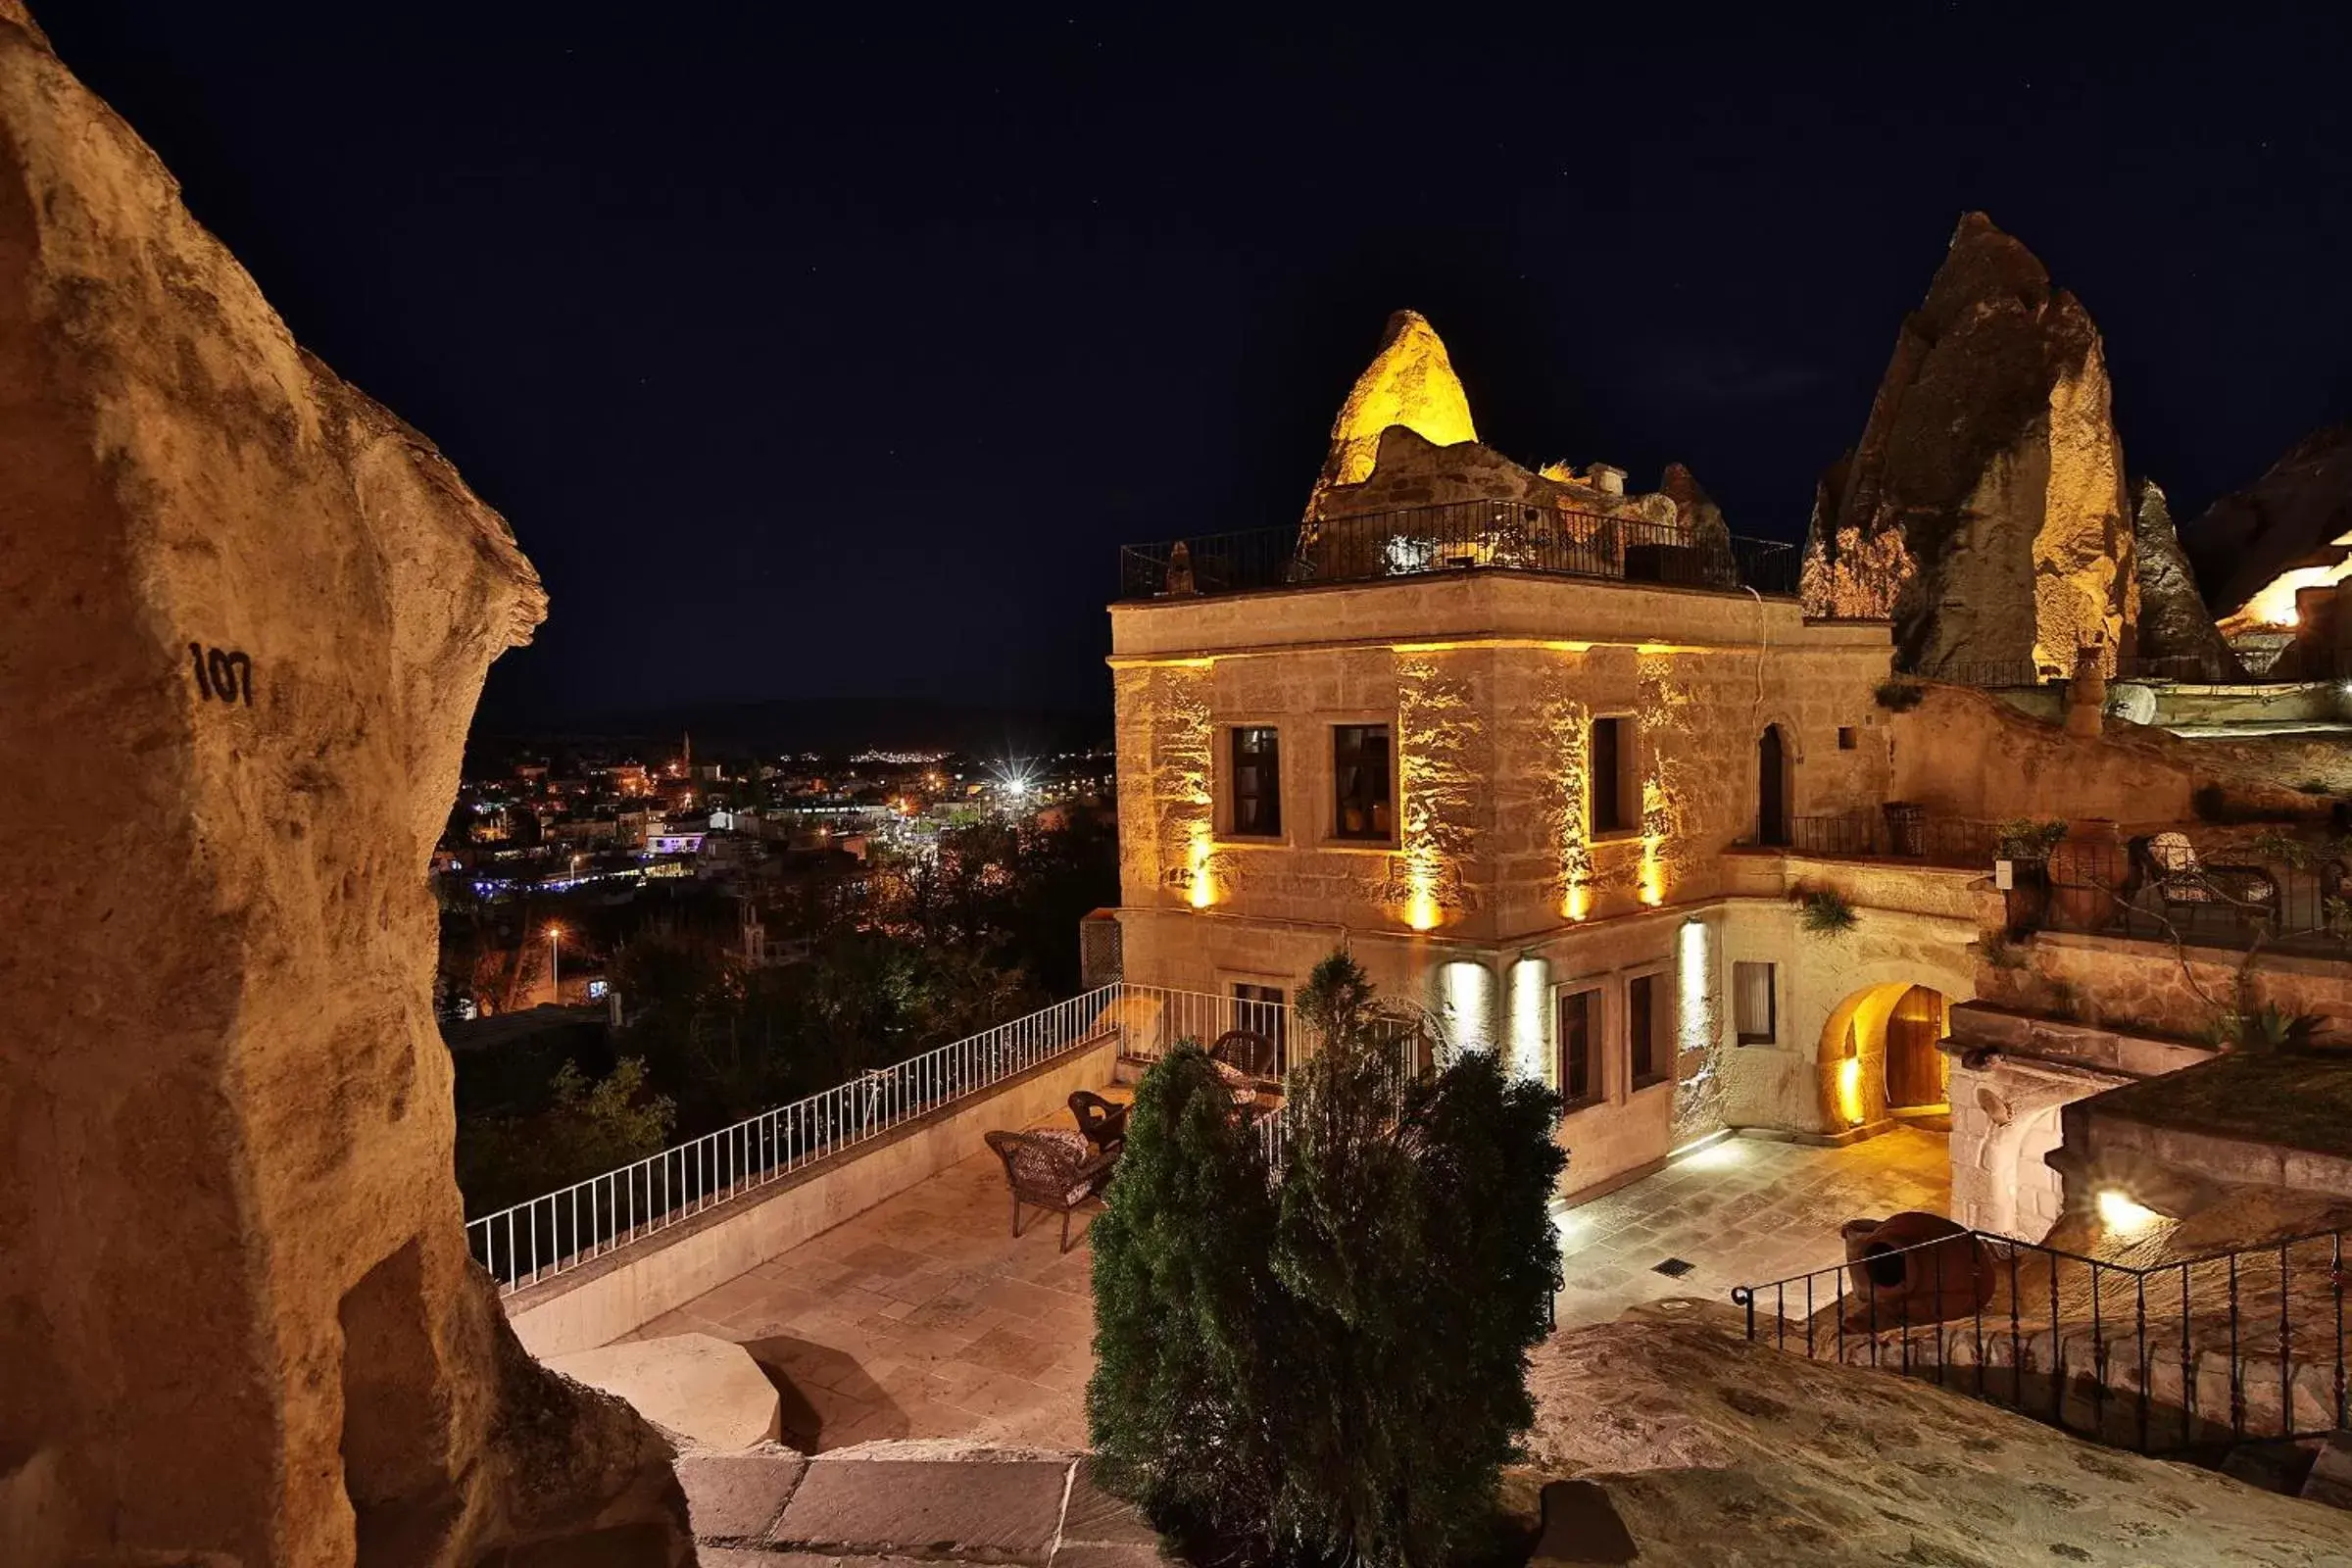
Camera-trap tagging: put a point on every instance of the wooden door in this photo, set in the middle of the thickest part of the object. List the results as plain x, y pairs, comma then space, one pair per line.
1772, 788
1914, 1066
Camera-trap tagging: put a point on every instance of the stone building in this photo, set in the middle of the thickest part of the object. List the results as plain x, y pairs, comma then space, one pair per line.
1574, 774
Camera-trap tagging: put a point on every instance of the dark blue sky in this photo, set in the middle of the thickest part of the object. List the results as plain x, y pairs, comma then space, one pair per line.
833, 351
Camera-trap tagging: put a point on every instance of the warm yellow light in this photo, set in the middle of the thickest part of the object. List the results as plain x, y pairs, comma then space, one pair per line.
1653, 872
1410, 382
2118, 1214
1849, 1091
2273, 605
1203, 888
1421, 912
1578, 903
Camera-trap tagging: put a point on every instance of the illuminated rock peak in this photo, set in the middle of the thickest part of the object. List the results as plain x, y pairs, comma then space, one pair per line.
1983, 509
1410, 383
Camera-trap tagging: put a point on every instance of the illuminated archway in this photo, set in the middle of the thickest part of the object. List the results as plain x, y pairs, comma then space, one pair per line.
1853, 1052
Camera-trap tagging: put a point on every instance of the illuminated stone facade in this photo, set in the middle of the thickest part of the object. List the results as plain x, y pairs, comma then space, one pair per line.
1493, 892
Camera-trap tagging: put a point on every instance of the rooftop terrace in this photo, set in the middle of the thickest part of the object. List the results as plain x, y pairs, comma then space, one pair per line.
1501, 535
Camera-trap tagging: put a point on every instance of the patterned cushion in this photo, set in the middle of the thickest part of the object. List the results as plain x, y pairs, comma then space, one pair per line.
1243, 1087
1047, 1161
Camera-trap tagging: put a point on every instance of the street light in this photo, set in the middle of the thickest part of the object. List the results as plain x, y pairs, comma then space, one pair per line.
554, 968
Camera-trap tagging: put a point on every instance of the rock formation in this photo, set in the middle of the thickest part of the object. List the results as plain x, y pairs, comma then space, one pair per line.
1984, 509
1410, 383
2174, 622
244, 616
1698, 1446
2290, 529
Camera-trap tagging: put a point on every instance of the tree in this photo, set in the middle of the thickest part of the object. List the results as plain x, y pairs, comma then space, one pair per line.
590, 1126
1354, 1396
1186, 1327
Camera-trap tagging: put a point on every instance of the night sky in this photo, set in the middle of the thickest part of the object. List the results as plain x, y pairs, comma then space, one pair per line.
833, 351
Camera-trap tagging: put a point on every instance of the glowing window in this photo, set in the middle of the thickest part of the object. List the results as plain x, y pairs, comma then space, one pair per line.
1256, 781
1362, 782
1753, 1008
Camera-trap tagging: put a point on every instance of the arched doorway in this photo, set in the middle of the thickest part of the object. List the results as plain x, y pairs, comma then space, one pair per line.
1772, 788
1914, 1066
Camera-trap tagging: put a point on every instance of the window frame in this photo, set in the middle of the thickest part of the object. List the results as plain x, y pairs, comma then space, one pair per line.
1661, 1008
1597, 1056
1229, 778
1772, 1003
1628, 746
1335, 814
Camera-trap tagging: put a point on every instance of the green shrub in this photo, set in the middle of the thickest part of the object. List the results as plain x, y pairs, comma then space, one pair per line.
1338, 1374
1826, 913
1900, 695
1184, 1338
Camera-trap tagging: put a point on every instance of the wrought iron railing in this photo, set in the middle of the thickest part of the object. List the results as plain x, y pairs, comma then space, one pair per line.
1456, 536
1945, 841
2293, 664
2160, 1358
576, 1224
2161, 888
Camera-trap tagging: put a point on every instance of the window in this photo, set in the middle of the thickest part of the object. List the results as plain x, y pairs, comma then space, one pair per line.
1256, 781
1580, 1021
1645, 1019
1847, 740
1607, 772
1360, 782
1752, 1005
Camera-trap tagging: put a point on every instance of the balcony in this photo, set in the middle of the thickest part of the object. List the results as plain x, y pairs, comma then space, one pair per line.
1456, 536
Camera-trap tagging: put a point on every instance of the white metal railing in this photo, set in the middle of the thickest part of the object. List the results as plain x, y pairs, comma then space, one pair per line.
547, 1235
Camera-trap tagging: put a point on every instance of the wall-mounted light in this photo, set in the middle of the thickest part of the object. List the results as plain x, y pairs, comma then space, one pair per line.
2121, 1216
1530, 1001
1849, 1091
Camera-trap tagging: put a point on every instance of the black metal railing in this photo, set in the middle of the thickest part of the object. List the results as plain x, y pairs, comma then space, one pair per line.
1946, 841
2161, 888
1456, 536
2290, 665
2163, 1358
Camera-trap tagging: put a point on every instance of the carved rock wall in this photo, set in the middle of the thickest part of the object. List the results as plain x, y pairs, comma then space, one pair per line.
1984, 509
244, 616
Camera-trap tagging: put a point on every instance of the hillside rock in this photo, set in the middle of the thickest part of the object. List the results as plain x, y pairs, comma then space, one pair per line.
1410, 384
2174, 622
1710, 1450
1984, 509
2290, 529
244, 616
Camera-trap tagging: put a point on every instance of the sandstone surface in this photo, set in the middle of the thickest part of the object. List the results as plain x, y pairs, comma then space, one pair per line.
1984, 509
244, 616
1410, 383
2290, 529
1710, 1450
707, 1390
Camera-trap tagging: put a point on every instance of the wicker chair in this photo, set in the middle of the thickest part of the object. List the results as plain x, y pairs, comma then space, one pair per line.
1249, 1052
1103, 1123
2186, 883
1050, 1171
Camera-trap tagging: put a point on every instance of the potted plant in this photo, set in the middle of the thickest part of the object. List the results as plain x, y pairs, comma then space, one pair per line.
2025, 844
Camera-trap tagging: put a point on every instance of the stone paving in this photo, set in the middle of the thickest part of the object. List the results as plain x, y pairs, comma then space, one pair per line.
777, 1510
1743, 1211
924, 1317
